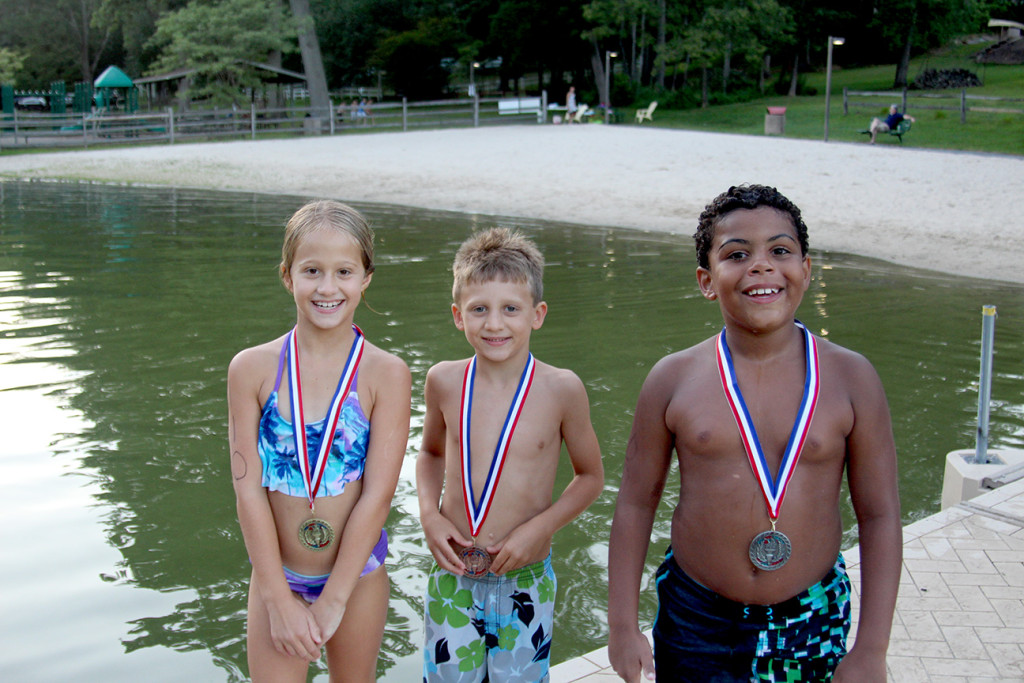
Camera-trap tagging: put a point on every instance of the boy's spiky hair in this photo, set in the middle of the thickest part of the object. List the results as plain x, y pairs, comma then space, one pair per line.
744, 197
499, 254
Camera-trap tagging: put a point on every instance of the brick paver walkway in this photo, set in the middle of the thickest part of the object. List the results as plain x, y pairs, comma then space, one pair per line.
960, 612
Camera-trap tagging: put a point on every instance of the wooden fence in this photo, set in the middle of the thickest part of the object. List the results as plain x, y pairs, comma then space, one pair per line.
943, 101
32, 130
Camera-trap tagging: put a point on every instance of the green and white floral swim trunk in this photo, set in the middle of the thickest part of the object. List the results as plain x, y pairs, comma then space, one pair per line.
494, 628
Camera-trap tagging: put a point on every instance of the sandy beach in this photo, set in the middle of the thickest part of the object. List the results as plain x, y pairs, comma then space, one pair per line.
952, 212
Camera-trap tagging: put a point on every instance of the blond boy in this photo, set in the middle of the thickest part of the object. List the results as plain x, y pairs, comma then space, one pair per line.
492, 438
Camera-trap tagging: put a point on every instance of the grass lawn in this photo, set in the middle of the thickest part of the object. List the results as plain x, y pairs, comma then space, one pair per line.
935, 128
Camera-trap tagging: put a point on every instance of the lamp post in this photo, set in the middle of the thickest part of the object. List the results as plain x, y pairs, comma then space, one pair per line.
608, 54
832, 40
472, 79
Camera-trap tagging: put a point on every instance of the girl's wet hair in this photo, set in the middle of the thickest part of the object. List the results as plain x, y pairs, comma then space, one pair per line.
499, 254
744, 197
326, 214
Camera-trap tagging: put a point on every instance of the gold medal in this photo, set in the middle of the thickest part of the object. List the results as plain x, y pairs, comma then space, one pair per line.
315, 534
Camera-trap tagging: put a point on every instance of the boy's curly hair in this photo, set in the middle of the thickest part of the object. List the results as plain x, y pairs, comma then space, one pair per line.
744, 197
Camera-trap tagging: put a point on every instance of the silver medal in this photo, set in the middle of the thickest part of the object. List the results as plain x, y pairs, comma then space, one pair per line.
770, 550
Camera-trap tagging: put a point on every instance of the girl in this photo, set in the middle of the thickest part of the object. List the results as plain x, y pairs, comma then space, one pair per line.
319, 420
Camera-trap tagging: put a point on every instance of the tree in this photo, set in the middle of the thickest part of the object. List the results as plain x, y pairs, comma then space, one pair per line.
220, 42
312, 62
412, 60
57, 39
10, 64
920, 24
135, 22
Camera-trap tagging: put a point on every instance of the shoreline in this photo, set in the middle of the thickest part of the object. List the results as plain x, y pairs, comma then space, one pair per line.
951, 212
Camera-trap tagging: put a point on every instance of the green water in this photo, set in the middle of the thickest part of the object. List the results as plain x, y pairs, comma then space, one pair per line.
120, 309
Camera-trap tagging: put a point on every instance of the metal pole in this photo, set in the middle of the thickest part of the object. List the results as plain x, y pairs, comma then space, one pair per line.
608, 54
828, 85
988, 327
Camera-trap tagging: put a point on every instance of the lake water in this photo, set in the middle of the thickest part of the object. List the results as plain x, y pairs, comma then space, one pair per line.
121, 308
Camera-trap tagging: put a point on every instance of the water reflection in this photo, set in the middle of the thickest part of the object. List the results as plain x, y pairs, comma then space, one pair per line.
122, 307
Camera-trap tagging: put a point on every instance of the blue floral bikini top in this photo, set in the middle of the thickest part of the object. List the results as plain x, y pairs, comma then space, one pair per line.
276, 446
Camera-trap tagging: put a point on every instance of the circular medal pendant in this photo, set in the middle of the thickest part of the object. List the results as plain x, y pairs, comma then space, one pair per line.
315, 534
770, 550
476, 559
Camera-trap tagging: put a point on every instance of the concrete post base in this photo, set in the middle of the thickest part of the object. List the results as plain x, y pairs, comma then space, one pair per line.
964, 479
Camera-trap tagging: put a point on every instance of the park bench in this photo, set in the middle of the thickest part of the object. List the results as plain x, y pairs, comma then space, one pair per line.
519, 105
899, 131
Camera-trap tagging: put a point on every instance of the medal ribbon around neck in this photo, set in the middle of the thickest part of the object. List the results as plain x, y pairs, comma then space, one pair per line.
312, 479
774, 490
476, 512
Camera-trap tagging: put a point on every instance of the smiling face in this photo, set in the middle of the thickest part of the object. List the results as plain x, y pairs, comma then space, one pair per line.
327, 277
498, 317
755, 269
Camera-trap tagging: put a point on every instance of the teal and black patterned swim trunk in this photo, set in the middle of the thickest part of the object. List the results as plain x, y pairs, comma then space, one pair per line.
702, 636
493, 628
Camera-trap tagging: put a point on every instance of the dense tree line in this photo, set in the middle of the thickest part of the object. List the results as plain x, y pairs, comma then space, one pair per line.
681, 51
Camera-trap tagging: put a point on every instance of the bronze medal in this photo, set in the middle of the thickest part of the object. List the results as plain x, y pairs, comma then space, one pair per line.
770, 550
315, 534
476, 559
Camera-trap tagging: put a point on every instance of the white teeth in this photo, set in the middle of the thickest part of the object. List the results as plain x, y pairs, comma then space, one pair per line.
327, 304
761, 291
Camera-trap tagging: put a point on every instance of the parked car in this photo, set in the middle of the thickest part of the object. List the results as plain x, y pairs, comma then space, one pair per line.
31, 103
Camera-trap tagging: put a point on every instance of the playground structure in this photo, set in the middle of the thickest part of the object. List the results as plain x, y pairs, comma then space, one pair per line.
112, 90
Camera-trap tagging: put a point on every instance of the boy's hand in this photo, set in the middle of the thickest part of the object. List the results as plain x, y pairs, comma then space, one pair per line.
631, 656
441, 533
294, 630
517, 549
860, 667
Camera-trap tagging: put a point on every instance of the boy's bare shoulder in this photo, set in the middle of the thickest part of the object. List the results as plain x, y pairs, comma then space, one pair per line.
677, 366
447, 372
846, 363
555, 378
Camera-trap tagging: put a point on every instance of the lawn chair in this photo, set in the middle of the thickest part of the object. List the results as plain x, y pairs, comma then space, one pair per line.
645, 114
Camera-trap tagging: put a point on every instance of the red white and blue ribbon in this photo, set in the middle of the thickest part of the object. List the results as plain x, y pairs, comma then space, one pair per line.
312, 477
774, 489
476, 511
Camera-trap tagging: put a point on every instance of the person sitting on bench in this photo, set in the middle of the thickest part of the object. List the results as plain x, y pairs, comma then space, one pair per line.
889, 123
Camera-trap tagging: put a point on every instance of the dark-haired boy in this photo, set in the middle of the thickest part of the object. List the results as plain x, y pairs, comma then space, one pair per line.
752, 590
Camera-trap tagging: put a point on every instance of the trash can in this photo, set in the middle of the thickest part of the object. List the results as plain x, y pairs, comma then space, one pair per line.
775, 121
313, 125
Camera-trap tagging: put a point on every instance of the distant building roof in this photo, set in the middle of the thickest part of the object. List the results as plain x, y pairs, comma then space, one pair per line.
1004, 23
112, 77
280, 75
